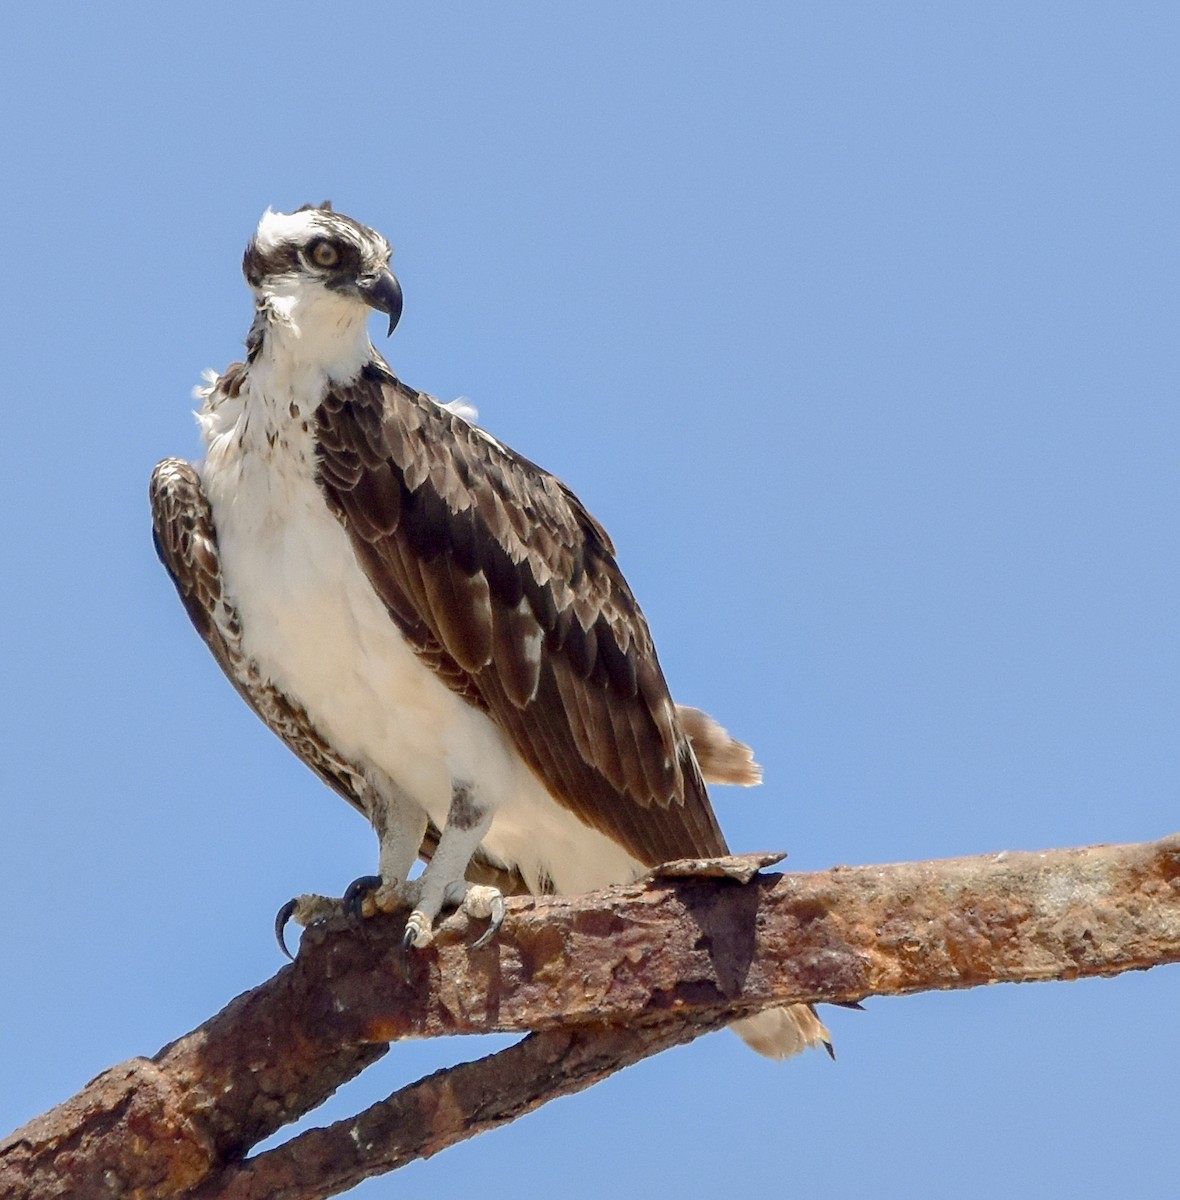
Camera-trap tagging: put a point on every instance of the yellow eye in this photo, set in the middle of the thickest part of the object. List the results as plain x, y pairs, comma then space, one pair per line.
323, 253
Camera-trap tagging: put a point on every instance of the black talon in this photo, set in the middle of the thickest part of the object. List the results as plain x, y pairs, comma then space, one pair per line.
495, 921
281, 918
355, 893
407, 948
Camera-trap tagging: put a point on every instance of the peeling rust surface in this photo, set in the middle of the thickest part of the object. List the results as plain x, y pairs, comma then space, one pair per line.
698, 943
742, 867
445, 1108
127, 1135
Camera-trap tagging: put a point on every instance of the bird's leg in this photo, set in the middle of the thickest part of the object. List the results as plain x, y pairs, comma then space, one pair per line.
443, 882
400, 830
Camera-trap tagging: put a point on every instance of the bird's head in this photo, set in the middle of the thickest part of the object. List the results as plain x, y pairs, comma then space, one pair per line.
318, 260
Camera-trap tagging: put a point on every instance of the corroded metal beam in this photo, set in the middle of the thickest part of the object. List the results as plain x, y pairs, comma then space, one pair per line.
694, 945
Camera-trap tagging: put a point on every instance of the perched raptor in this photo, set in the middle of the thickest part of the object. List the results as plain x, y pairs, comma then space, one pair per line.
434, 624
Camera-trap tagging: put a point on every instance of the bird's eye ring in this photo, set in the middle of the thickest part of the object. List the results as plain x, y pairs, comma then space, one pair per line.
323, 254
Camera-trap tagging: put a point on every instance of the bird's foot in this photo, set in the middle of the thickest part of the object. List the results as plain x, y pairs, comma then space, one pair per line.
485, 903
360, 899
473, 899
369, 895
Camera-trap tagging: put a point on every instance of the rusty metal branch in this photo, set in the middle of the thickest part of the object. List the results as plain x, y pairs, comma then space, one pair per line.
602, 980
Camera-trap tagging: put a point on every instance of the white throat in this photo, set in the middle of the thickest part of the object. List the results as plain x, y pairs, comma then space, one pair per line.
312, 338
311, 329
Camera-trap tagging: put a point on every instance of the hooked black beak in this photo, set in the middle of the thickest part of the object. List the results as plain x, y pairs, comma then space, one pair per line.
382, 291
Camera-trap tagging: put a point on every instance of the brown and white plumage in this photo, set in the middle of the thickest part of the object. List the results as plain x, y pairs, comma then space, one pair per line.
434, 624
508, 590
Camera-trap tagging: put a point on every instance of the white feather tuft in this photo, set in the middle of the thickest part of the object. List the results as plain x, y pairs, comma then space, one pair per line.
461, 407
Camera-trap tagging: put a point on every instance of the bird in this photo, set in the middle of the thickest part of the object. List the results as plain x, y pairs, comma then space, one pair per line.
434, 624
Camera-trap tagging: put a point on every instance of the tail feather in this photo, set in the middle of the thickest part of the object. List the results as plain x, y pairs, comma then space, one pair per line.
722, 758
776, 1032
784, 1032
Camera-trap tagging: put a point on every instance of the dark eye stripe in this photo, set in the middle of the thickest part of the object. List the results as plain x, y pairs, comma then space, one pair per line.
354, 244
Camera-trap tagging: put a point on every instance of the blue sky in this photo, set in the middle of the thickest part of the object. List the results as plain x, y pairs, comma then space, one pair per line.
855, 324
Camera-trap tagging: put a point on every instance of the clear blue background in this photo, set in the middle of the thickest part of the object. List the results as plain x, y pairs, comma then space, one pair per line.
856, 324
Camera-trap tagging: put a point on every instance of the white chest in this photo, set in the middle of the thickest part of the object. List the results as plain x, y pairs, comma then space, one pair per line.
310, 617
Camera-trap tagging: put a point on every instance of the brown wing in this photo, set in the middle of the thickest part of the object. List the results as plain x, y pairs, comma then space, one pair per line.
508, 588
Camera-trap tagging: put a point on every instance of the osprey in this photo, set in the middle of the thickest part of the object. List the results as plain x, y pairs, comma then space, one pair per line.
435, 625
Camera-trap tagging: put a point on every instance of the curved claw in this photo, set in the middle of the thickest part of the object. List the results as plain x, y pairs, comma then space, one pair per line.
495, 920
355, 893
407, 946
282, 917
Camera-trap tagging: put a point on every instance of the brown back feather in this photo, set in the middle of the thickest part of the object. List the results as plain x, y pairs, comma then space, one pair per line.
506, 586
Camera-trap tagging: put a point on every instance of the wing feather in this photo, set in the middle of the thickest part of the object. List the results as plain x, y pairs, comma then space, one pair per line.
507, 588
517, 644
462, 607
